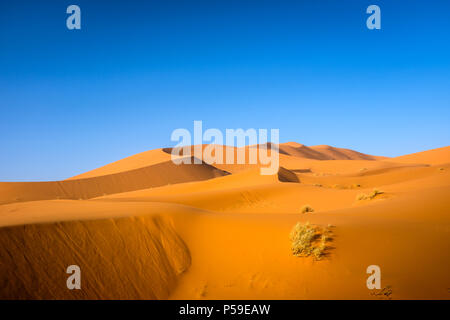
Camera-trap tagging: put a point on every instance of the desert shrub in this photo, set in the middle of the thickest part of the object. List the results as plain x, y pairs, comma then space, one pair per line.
319, 250
306, 209
317, 253
302, 236
361, 196
374, 193
370, 196
308, 240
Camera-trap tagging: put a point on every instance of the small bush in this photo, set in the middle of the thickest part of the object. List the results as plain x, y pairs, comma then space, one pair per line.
374, 193
302, 237
370, 196
306, 209
308, 240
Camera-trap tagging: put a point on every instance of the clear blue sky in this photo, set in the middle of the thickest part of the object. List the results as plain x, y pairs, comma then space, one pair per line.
72, 101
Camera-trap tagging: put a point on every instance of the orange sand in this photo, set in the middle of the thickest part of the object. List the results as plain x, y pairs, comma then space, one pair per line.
144, 228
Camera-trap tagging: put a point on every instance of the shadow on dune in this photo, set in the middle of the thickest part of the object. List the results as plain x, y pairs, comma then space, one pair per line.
285, 175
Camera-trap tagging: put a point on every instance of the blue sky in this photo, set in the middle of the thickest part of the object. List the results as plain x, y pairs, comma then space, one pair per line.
72, 101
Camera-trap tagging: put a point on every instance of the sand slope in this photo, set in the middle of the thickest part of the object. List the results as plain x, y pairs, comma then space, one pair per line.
434, 156
139, 257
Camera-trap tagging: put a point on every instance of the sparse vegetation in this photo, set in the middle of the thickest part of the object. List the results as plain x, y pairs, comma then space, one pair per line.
370, 196
308, 240
441, 169
376, 192
361, 196
306, 209
346, 187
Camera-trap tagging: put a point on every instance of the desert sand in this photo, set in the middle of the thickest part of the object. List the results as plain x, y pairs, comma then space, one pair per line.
145, 228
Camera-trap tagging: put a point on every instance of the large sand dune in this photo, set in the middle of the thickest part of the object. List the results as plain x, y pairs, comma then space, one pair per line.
85, 188
144, 228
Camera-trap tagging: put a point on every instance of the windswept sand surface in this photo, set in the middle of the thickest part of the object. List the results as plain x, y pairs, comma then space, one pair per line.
144, 228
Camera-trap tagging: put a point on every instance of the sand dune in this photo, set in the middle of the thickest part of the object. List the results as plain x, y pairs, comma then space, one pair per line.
249, 192
434, 156
293, 149
323, 152
344, 154
140, 160
148, 229
151, 176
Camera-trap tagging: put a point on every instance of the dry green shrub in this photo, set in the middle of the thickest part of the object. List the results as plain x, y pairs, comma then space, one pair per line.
308, 240
306, 209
